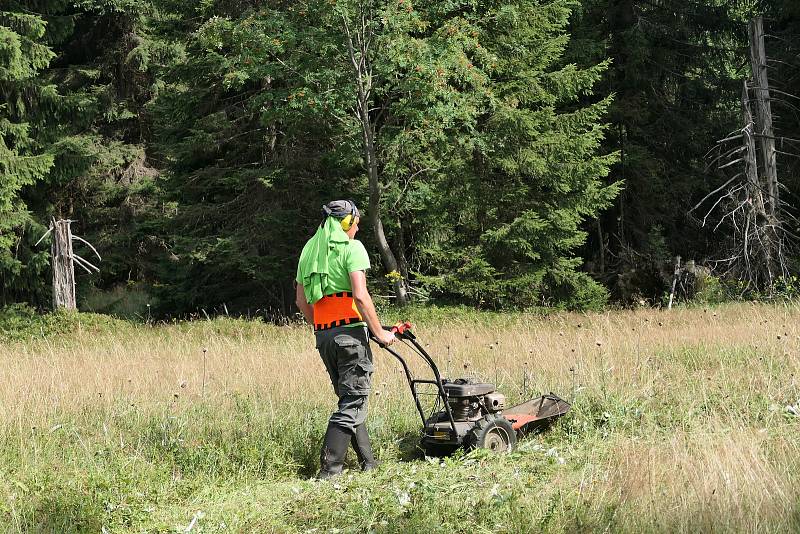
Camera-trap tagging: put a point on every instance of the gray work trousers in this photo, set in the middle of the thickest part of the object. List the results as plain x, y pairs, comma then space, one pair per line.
348, 360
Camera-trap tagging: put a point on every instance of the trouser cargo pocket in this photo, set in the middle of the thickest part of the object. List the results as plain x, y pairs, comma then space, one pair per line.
355, 365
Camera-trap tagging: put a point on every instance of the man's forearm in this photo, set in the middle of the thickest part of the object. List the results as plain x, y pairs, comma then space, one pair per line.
367, 309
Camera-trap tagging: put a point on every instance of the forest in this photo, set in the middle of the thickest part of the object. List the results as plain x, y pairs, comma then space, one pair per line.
506, 154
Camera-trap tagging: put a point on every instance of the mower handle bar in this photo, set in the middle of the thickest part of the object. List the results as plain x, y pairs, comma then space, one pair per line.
403, 331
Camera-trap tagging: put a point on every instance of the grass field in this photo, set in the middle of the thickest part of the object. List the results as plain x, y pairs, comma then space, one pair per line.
683, 421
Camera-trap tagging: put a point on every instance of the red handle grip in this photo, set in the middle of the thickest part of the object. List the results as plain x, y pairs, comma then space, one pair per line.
401, 327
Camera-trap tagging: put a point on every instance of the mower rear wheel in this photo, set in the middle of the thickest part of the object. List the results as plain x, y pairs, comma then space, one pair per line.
493, 432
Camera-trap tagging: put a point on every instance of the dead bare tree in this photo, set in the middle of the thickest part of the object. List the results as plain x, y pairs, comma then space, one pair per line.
64, 260
749, 199
766, 134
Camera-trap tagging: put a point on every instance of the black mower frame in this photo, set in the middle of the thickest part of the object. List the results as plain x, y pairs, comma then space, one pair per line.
403, 332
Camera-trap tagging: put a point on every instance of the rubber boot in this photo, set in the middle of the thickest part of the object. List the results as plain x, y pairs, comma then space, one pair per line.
334, 450
361, 445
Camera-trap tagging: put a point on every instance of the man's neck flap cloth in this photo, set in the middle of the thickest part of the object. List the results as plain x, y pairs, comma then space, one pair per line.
313, 265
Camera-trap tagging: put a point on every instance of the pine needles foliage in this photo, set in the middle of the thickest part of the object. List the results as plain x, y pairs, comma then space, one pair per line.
486, 159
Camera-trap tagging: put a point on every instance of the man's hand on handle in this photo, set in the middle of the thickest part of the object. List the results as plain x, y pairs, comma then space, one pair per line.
385, 337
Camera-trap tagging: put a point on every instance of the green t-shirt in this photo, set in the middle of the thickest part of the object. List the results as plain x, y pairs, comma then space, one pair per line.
342, 261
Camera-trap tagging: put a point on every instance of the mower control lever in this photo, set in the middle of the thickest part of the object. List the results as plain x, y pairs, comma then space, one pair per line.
401, 329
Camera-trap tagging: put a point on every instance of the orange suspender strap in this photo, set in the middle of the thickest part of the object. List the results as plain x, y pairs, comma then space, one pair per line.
334, 310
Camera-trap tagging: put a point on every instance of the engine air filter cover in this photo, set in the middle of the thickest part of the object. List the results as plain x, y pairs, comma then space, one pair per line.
462, 388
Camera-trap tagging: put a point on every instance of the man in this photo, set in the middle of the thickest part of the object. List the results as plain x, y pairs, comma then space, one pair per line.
332, 294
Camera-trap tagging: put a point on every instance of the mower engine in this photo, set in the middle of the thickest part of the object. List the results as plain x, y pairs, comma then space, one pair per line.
470, 402
476, 420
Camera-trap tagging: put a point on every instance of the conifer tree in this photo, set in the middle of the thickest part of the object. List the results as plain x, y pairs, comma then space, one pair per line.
85, 114
102, 177
248, 162
506, 223
24, 158
676, 75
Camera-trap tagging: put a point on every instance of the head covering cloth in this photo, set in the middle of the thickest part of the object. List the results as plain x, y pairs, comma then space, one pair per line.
314, 261
340, 209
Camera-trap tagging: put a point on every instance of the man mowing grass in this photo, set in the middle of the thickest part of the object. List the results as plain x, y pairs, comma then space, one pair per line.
332, 294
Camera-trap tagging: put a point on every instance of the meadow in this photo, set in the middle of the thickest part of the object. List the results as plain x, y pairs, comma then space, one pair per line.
682, 421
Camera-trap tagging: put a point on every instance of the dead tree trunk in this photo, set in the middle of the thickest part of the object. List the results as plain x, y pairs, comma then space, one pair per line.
63, 260
358, 45
63, 268
675, 276
757, 244
765, 132
750, 159
772, 227
750, 199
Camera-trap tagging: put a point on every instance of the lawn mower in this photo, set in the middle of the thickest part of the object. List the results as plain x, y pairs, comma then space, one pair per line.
470, 414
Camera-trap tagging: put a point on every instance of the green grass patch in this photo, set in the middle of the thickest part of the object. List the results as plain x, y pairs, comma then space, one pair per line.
20, 322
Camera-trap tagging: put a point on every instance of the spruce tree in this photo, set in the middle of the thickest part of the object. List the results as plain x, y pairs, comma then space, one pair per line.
676, 71
107, 56
85, 114
248, 162
504, 225
24, 158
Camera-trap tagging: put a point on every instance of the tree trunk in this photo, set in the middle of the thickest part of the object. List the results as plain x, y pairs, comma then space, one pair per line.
63, 268
769, 223
751, 166
621, 215
758, 62
401, 248
387, 256
601, 239
761, 240
358, 51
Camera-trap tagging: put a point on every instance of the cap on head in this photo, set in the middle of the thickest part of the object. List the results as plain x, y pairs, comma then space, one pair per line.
345, 210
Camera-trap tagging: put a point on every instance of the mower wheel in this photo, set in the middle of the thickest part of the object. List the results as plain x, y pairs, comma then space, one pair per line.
493, 432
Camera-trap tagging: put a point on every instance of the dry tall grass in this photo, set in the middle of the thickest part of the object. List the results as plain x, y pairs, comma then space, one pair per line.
687, 407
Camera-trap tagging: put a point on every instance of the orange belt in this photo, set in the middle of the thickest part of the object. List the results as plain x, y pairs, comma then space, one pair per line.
334, 310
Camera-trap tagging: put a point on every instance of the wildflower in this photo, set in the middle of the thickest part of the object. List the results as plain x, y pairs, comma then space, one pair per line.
403, 498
